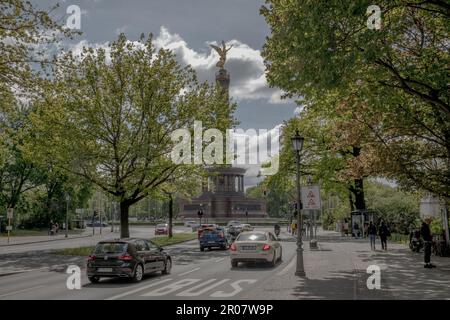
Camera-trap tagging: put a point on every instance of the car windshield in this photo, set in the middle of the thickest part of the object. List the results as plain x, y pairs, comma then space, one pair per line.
252, 237
110, 247
161, 226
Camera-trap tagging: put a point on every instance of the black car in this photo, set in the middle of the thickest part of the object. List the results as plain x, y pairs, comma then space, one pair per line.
128, 258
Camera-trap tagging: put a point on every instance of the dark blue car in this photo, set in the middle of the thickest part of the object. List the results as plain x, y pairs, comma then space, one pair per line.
213, 238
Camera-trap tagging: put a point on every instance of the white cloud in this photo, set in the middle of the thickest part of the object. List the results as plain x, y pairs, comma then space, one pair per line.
245, 65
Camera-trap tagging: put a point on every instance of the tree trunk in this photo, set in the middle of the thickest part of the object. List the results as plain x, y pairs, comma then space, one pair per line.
124, 230
170, 214
350, 199
359, 195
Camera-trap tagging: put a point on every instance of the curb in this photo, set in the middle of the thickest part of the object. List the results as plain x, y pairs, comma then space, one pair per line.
40, 241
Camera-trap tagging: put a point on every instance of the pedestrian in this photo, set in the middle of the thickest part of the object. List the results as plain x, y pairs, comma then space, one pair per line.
427, 238
356, 230
56, 227
372, 231
383, 232
50, 228
346, 228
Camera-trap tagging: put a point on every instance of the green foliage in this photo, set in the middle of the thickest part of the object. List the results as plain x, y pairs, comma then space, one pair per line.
110, 119
384, 91
399, 209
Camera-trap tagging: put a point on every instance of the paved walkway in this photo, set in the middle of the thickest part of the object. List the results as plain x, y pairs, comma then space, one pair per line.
46, 238
338, 270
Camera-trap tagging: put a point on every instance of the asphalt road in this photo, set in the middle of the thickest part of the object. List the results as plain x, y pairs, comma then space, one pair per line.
195, 275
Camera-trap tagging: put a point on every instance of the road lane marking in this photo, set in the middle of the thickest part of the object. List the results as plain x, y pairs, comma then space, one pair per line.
20, 291
235, 285
187, 272
172, 287
219, 260
192, 293
289, 266
137, 289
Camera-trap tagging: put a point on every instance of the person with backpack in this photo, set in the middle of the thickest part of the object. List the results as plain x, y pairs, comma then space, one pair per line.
383, 233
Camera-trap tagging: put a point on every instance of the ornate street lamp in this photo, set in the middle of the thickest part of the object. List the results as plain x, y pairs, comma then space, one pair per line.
297, 143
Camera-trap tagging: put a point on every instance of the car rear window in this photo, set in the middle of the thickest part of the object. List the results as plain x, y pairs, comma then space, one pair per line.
209, 231
252, 237
111, 247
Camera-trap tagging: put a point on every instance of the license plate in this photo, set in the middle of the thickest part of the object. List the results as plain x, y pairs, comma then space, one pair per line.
211, 242
248, 248
104, 269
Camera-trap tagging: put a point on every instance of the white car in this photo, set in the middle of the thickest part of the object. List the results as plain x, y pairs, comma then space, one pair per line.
233, 223
255, 246
247, 227
191, 224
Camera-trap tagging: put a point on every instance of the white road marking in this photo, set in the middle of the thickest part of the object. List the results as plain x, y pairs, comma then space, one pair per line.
289, 266
20, 291
187, 272
218, 260
235, 285
137, 289
192, 293
171, 288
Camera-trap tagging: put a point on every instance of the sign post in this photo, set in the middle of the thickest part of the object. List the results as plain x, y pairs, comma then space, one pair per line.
9, 216
311, 202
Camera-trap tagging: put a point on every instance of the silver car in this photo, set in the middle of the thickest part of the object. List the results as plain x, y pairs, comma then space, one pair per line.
255, 246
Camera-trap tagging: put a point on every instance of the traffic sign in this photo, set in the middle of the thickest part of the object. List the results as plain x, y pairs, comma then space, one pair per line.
311, 197
8, 228
9, 213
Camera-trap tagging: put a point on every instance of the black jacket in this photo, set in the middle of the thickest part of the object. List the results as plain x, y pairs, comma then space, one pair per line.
372, 230
383, 231
426, 232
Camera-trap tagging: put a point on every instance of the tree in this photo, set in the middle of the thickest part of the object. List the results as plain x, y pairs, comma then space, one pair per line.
25, 33
396, 78
111, 121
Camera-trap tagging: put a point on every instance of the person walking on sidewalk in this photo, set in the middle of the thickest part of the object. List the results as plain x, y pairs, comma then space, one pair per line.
427, 238
383, 233
372, 230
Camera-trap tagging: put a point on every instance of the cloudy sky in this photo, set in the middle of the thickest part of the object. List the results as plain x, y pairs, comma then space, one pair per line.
188, 27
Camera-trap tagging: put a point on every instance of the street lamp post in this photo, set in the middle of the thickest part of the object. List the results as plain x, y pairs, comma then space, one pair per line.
297, 142
67, 215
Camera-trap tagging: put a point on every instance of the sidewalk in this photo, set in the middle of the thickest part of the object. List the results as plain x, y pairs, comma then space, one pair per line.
338, 270
19, 240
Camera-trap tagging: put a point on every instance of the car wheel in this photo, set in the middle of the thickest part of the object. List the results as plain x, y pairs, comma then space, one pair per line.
234, 264
281, 254
138, 273
202, 249
274, 260
94, 279
167, 266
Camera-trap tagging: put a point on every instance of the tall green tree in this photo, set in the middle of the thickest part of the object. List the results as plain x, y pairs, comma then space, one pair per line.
109, 118
25, 32
396, 79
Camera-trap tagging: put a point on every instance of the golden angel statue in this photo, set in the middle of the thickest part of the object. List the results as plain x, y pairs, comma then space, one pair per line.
222, 53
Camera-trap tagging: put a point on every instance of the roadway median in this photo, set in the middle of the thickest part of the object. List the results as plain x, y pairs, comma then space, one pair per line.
162, 241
